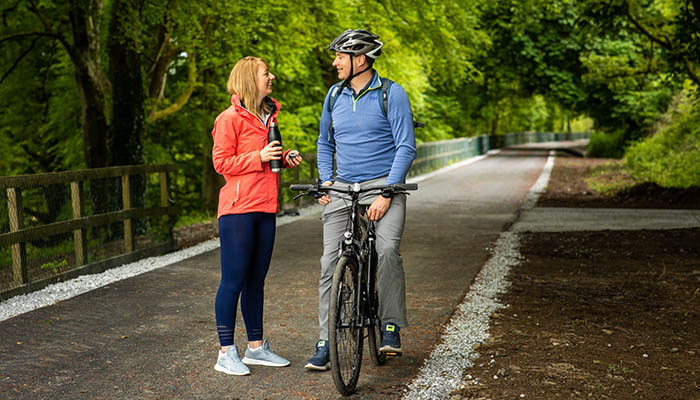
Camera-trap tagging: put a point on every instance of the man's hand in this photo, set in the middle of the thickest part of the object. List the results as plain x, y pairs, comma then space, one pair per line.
378, 208
325, 199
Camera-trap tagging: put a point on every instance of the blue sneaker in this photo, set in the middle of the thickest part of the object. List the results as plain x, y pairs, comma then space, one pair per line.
391, 340
321, 361
264, 356
230, 363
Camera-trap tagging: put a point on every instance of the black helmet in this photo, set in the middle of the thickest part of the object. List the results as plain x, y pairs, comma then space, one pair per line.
356, 42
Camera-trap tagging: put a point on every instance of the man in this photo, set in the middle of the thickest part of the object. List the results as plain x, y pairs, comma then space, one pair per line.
371, 145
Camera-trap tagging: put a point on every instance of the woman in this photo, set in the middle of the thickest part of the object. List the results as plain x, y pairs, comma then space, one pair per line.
247, 207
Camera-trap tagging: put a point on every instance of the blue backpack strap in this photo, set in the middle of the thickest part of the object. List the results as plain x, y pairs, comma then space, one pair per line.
331, 102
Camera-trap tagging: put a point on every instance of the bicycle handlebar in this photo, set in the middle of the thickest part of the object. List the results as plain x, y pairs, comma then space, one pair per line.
353, 188
317, 190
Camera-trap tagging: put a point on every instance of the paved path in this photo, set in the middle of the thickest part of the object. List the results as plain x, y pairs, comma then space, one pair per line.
555, 219
153, 336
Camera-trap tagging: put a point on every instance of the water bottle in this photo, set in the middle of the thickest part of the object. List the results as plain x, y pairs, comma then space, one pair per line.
273, 133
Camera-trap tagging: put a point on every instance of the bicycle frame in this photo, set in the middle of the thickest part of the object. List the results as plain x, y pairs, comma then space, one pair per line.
359, 239
358, 242
358, 263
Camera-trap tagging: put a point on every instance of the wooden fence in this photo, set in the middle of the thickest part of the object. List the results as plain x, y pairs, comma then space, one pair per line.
19, 235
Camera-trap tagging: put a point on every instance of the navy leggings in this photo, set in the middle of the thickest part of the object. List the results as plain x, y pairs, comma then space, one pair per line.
246, 250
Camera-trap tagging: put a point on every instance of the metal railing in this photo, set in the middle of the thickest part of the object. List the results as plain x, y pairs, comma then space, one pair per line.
432, 156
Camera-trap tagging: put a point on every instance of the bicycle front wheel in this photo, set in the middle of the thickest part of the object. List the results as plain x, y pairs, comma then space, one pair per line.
345, 330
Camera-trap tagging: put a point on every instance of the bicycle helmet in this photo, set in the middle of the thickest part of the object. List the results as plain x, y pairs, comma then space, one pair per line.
356, 42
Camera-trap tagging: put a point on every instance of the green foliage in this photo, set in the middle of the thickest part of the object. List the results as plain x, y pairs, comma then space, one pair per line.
195, 217
671, 158
469, 68
606, 145
55, 266
639, 53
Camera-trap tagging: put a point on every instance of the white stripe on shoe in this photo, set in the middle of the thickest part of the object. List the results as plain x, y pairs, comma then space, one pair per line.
228, 371
314, 367
254, 361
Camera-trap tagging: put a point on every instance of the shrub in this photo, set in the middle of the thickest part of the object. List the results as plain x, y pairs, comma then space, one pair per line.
606, 145
671, 158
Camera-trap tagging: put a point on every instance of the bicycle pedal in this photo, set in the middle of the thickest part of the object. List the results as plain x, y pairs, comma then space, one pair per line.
393, 354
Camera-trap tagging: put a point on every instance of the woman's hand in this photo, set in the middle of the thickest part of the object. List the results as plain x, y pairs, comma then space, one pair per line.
325, 199
273, 151
293, 158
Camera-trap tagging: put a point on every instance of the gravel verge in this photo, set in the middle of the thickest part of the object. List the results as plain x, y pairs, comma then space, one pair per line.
442, 371
65, 290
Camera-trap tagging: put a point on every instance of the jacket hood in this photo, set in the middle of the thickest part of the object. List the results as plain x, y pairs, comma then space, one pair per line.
273, 104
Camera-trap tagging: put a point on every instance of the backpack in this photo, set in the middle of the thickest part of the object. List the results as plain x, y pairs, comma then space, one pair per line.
383, 103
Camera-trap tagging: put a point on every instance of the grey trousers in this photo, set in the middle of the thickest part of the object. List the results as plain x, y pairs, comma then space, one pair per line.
390, 275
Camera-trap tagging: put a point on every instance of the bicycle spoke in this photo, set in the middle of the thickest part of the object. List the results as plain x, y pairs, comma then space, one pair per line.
346, 334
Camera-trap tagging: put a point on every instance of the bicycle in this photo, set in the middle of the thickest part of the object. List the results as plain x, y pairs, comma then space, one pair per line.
354, 295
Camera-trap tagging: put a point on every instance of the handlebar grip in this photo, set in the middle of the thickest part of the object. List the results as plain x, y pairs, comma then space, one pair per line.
407, 186
300, 187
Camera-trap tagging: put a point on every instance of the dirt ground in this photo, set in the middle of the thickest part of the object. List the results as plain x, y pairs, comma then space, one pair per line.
600, 315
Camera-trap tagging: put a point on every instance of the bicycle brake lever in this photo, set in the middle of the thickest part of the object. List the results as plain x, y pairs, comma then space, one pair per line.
297, 196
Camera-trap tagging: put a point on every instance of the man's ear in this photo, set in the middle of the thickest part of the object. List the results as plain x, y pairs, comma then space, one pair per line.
361, 60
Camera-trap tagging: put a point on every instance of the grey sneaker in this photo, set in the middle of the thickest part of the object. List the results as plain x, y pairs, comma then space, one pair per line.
264, 356
230, 363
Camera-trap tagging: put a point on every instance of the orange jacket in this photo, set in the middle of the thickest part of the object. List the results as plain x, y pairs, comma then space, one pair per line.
238, 138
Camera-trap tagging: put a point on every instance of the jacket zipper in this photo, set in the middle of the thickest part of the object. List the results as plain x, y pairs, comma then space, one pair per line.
354, 101
238, 185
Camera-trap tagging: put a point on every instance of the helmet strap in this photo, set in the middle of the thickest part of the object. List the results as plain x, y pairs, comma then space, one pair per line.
346, 83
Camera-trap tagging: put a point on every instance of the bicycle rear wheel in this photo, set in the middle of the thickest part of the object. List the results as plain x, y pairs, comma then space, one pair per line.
345, 332
374, 328
374, 337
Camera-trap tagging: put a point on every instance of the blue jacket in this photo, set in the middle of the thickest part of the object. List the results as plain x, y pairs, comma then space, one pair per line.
366, 144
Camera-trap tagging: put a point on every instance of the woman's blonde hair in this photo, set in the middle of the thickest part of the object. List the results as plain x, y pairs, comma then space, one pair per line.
242, 82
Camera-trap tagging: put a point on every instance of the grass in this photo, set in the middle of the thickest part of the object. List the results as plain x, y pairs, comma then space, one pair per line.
611, 178
194, 217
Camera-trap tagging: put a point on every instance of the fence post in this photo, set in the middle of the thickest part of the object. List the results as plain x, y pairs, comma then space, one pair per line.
19, 250
126, 204
78, 234
165, 202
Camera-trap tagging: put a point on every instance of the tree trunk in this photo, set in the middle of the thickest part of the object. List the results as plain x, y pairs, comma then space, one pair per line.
494, 123
93, 88
128, 95
128, 98
211, 182
91, 82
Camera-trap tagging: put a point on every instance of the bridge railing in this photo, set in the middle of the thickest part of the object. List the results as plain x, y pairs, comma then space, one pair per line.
431, 156
56, 226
